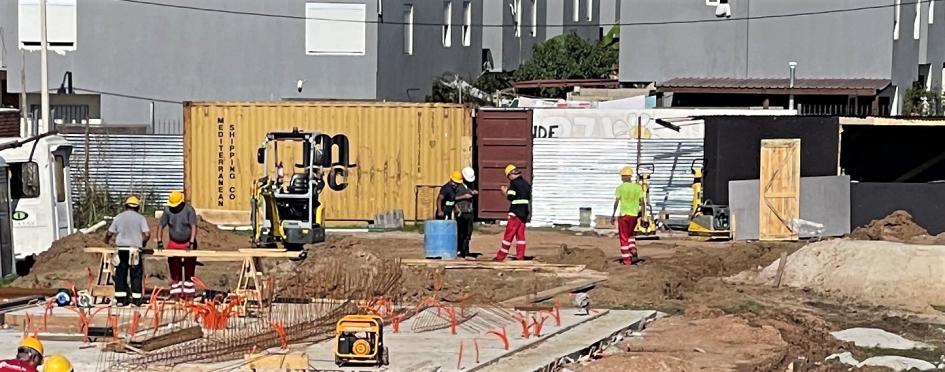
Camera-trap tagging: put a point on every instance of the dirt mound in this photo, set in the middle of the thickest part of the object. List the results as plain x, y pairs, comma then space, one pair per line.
897, 227
592, 258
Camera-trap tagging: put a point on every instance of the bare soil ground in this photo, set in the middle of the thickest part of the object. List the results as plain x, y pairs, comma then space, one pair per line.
739, 327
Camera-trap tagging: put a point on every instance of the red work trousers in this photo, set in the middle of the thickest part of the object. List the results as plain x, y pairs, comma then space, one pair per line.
182, 270
514, 231
628, 243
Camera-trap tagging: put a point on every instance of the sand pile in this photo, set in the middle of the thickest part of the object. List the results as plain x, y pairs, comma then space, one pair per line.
896, 275
899, 226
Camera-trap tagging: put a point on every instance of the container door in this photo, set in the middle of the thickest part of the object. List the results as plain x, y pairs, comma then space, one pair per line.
63, 199
502, 137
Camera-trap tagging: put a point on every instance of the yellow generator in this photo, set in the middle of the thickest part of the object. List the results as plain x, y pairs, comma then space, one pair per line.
359, 340
707, 220
646, 227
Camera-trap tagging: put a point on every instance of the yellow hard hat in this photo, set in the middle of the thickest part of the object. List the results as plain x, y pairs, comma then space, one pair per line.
175, 198
457, 177
509, 169
57, 363
32, 343
626, 172
133, 201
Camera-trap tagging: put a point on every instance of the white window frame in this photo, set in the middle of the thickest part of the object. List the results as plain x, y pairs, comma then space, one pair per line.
408, 28
517, 10
576, 6
932, 11
61, 29
354, 23
916, 30
896, 22
467, 23
447, 24
534, 16
590, 10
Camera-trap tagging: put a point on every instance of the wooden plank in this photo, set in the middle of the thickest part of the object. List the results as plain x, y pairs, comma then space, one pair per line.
781, 263
779, 193
288, 361
507, 266
241, 254
574, 286
168, 339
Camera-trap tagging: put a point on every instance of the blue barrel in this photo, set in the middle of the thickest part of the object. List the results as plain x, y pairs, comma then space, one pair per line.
439, 239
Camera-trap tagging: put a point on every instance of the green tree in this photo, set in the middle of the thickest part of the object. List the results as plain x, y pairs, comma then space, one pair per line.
569, 56
921, 102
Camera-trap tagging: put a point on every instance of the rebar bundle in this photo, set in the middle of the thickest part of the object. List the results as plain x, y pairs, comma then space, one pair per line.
285, 323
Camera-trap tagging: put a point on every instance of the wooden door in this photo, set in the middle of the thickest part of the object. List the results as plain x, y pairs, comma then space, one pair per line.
780, 188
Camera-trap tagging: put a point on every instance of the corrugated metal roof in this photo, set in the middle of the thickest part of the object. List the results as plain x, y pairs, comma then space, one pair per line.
727, 83
142, 164
571, 173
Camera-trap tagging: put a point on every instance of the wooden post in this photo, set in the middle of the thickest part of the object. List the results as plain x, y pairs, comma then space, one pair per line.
781, 263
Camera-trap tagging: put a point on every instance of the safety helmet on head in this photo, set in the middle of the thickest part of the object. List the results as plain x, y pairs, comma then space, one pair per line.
57, 363
456, 177
32, 343
175, 198
509, 169
133, 201
469, 174
626, 172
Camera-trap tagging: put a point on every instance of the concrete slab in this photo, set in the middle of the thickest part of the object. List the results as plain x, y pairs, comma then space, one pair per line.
582, 339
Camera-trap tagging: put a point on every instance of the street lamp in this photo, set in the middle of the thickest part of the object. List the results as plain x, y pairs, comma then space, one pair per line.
793, 66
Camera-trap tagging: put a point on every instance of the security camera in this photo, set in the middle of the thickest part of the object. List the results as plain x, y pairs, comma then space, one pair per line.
723, 9
299, 84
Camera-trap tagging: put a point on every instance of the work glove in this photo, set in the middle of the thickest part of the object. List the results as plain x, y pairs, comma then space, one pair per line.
160, 244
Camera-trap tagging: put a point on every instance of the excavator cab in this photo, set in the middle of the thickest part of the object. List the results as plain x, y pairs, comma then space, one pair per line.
290, 211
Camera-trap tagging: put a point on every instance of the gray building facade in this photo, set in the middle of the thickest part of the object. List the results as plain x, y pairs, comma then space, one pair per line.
837, 39
135, 59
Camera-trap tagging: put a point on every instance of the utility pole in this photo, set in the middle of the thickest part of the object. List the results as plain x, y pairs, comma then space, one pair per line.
45, 125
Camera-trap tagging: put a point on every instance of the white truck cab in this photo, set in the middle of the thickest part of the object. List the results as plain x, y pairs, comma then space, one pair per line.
40, 196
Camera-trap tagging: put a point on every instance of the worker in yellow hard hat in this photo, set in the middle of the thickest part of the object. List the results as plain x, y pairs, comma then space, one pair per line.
629, 199
57, 363
180, 220
519, 194
130, 232
446, 199
29, 355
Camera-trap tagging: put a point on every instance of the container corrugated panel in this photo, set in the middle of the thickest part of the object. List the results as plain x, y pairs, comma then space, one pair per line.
403, 152
571, 173
141, 164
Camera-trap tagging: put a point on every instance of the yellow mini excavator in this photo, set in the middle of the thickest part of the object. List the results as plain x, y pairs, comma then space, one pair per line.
289, 212
707, 220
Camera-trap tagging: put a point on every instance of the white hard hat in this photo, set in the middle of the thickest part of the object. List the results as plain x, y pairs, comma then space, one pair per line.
469, 174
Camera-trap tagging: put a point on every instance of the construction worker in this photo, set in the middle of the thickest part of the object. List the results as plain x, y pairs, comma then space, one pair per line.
519, 193
29, 355
463, 212
57, 363
629, 200
131, 233
446, 199
181, 223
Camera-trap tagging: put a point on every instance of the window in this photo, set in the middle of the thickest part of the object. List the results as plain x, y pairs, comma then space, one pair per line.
24, 180
916, 31
896, 22
60, 179
408, 28
932, 11
576, 6
467, 23
334, 28
60, 24
447, 24
517, 14
711, 2
534, 31
590, 10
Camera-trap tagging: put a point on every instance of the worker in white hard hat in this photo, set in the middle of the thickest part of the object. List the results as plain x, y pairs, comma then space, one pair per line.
465, 212
131, 233
629, 199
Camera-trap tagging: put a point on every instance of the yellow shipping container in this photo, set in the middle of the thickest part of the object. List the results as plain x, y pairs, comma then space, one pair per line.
403, 153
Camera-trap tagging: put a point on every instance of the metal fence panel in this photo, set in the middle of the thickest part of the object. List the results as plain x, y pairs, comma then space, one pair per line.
124, 164
571, 173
